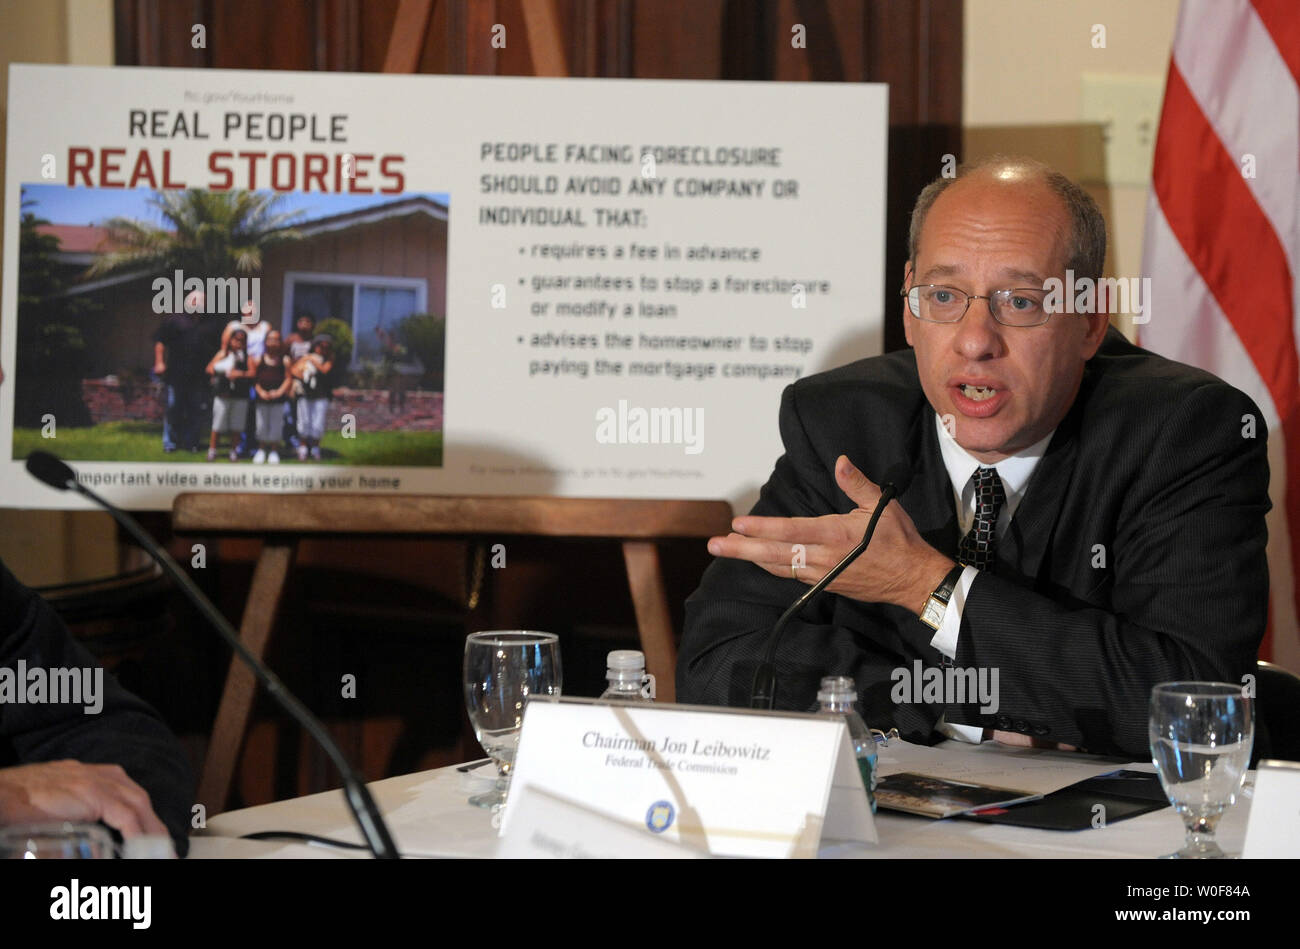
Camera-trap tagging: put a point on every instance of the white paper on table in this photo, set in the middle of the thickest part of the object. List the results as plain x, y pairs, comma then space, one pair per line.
1274, 827
1032, 770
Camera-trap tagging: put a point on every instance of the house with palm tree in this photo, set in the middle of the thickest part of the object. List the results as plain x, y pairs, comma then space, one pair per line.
367, 269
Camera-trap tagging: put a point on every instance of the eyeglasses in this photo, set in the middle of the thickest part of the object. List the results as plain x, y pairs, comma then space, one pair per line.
1022, 306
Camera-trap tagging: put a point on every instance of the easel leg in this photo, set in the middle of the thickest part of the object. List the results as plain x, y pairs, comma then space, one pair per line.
241, 688
650, 600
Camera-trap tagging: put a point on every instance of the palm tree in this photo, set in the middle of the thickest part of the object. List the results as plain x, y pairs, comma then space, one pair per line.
204, 232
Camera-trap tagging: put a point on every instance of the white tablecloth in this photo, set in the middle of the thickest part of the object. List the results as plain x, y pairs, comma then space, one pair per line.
429, 816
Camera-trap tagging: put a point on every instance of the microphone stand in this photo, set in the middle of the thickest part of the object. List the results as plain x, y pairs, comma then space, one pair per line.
50, 470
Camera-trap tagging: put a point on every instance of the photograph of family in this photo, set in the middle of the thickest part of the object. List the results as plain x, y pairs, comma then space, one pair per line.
238, 327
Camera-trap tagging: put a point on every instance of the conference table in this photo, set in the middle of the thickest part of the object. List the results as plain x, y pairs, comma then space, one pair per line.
429, 816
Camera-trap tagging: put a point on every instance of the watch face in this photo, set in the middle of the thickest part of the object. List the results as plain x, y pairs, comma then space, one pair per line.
933, 614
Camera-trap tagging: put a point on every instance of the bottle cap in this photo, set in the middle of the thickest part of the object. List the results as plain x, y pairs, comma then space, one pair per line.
838, 689
625, 660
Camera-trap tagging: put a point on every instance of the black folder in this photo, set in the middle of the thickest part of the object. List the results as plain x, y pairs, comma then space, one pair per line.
1121, 794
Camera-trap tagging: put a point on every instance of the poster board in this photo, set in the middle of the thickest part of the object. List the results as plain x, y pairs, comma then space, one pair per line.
569, 287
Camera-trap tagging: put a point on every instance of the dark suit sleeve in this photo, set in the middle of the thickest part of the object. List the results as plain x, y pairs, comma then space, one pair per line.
126, 731
729, 617
1188, 597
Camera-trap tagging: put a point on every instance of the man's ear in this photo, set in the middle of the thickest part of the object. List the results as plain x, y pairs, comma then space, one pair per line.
1098, 324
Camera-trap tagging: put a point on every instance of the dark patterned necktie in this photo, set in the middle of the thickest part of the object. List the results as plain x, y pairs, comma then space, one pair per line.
976, 548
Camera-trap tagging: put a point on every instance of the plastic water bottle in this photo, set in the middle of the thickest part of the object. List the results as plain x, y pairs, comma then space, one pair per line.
628, 682
837, 695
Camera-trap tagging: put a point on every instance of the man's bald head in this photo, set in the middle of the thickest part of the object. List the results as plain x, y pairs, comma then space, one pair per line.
1086, 244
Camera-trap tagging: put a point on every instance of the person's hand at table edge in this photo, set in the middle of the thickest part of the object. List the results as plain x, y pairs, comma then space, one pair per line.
73, 791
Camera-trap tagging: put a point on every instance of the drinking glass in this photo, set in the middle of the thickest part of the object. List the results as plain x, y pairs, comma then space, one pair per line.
55, 840
503, 668
1201, 735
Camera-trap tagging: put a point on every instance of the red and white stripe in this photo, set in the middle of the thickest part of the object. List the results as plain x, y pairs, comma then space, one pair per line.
1223, 249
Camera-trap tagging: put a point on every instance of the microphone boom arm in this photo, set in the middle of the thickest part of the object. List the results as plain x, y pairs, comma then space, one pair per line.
359, 800
763, 691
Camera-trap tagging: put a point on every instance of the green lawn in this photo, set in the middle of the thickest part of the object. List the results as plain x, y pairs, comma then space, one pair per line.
142, 441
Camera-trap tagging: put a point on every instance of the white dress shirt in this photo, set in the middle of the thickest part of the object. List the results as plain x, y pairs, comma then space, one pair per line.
1014, 472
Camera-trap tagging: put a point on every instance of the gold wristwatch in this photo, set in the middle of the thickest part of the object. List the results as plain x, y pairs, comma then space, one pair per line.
936, 604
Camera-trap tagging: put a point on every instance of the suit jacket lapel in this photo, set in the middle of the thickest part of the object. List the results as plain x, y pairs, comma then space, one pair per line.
928, 499
1021, 552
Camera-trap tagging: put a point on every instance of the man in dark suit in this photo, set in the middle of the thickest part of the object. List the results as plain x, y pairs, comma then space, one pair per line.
1082, 518
106, 757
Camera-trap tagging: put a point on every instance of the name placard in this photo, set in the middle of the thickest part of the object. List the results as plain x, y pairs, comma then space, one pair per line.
1274, 827
731, 782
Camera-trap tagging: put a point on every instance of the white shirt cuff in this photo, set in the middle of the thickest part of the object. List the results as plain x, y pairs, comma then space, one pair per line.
945, 638
971, 733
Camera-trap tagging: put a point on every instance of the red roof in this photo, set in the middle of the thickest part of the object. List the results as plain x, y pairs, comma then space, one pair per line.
79, 238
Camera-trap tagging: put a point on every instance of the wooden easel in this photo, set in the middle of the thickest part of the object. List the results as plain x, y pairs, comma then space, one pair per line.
283, 520
473, 21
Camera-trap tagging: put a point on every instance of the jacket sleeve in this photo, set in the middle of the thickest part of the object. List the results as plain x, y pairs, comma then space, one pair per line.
125, 731
1189, 595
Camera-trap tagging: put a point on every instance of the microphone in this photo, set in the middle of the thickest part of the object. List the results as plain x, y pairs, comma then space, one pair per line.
56, 473
51, 470
762, 693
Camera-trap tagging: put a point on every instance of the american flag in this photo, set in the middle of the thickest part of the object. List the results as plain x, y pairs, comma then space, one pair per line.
1223, 242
